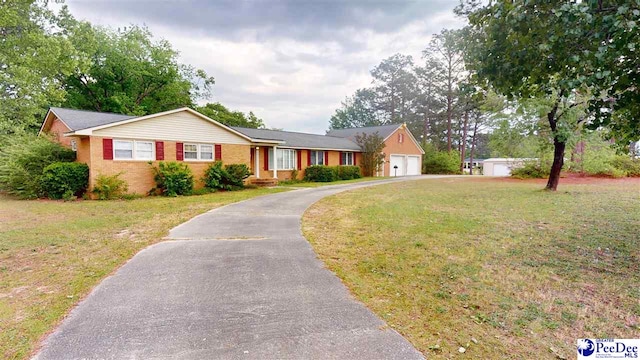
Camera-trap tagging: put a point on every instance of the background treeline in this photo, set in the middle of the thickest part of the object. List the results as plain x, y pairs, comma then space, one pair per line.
50, 59
522, 79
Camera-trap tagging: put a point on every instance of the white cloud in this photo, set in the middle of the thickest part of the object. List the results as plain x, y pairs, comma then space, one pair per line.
291, 83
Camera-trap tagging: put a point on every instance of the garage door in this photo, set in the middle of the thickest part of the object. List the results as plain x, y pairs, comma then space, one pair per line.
501, 170
396, 160
413, 165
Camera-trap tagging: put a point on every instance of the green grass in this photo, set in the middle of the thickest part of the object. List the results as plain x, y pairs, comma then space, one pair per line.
318, 184
496, 266
53, 253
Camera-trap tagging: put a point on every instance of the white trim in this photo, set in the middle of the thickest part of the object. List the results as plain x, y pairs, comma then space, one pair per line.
46, 116
199, 152
316, 157
353, 155
89, 131
134, 150
404, 125
275, 162
256, 159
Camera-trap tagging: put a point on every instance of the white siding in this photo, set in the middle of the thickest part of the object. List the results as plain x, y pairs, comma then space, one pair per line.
180, 126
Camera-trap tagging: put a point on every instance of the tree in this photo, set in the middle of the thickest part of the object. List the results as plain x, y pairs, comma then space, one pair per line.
219, 113
28, 81
430, 81
372, 155
126, 71
356, 111
448, 47
394, 86
558, 51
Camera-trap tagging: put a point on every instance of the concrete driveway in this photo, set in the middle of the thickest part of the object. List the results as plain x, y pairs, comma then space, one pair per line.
244, 285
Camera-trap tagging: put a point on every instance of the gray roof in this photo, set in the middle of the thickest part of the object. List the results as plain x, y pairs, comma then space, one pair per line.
82, 119
384, 131
300, 140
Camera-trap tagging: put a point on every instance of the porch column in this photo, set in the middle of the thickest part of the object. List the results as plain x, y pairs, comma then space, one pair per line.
257, 161
275, 162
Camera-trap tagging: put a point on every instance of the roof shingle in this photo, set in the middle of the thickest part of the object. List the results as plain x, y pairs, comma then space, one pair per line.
83, 119
300, 140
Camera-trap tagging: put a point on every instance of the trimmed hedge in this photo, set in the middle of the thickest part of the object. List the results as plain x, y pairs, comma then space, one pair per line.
65, 180
321, 173
348, 172
531, 170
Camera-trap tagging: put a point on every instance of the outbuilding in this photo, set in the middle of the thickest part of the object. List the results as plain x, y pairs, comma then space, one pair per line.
501, 166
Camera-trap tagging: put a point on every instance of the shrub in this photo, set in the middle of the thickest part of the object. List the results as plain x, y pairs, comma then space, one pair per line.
22, 161
110, 187
229, 177
348, 172
625, 163
320, 173
65, 178
172, 179
531, 170
440, 162
235, 174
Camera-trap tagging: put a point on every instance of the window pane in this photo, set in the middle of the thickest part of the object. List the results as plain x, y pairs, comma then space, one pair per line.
190, 151
320, 157
280, 159
123, 149
271, 158
206, 152
144, 150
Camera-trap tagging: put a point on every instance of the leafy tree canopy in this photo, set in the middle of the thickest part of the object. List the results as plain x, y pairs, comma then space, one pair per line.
28, 81
356, 111
220, 113
572, 53
126, 71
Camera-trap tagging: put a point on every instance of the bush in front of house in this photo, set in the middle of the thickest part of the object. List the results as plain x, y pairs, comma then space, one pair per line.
110, 187
65, 180
236, 173
172, 179
440, 162
320, 173
22, 161
348, 172
228, 177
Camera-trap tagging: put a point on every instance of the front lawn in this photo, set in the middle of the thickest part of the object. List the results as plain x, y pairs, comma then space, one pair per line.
52, 253
495, 266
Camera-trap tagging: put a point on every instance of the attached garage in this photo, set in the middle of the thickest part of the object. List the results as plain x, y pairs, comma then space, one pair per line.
402, 153
413, 165
404, 165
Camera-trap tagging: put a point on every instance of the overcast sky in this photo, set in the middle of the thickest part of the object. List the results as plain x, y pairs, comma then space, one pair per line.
290, 62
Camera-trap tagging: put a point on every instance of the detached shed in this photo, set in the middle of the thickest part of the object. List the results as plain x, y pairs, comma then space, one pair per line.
501, 166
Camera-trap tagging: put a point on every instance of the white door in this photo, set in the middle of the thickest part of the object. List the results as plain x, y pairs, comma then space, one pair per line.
501, 170
413, 165
396, 167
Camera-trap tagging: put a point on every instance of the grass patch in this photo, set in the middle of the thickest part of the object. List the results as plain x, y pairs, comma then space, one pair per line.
53, 253
499, 267
301, 183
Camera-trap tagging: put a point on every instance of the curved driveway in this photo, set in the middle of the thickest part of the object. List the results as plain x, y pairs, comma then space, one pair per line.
246, 285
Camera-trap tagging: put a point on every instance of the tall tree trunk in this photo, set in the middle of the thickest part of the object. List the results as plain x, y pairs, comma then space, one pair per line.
465, 131
425, 128
473, 146
559, 146
449, 105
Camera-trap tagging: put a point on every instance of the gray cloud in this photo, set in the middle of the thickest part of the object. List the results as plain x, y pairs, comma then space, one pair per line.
291, 62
